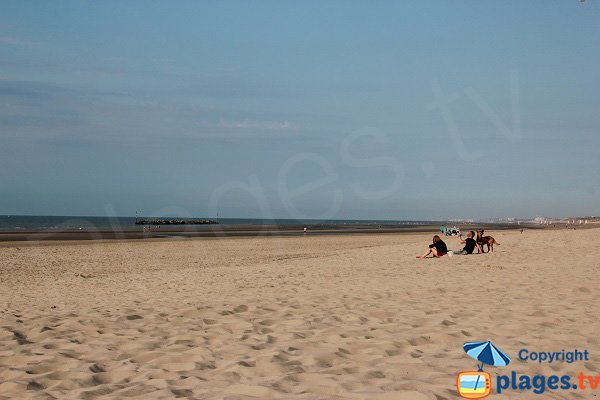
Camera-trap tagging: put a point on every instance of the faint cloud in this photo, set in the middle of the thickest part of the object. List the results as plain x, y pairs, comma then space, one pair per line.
246, 124
16, 88
8, 39
15, 41
35, 110
230, 88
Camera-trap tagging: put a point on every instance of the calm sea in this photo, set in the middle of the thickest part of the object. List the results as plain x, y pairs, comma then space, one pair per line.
42, 222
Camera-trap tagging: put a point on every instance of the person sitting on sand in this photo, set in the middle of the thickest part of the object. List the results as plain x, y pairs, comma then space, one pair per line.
437, 249
470, 244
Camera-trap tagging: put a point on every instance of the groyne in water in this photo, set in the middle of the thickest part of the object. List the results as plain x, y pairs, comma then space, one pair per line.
177, 221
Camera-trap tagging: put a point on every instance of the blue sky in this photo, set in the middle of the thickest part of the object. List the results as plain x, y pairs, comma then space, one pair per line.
335, 109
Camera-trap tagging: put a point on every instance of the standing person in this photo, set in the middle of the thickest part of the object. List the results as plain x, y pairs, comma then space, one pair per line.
437, 248
470, 244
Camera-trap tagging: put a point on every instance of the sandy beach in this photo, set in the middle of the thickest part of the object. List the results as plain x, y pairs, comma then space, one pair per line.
327, 317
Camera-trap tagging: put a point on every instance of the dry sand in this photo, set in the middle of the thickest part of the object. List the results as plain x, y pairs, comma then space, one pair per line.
348, 317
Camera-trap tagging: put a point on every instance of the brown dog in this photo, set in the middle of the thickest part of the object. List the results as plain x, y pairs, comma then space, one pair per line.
487, 240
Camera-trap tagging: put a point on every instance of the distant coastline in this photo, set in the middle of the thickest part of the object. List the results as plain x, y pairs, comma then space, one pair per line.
36, 223
43, 228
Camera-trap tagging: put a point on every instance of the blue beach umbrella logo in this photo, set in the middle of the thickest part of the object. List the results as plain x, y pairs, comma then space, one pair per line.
486, 353
477, 384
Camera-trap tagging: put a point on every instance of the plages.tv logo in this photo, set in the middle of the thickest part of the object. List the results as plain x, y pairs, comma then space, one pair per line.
478, 384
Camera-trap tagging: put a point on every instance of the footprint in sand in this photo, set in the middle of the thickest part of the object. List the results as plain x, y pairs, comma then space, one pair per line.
416, 354
279, 358
33, 385
241, 308
21, 338
96, 368
421, 340
375, 375
247, 364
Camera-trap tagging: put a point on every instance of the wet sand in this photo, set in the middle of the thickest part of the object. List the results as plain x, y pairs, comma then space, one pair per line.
222, 231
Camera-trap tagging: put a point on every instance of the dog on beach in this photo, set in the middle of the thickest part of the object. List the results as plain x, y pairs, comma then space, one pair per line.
485, 240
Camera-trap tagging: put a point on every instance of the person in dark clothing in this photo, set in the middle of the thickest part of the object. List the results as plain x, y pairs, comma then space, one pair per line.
437, 248
470, 244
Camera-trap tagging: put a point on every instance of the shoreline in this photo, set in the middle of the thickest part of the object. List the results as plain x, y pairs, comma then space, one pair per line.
220, 231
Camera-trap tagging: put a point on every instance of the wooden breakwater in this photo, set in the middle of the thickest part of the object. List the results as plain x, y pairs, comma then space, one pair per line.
175, 221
